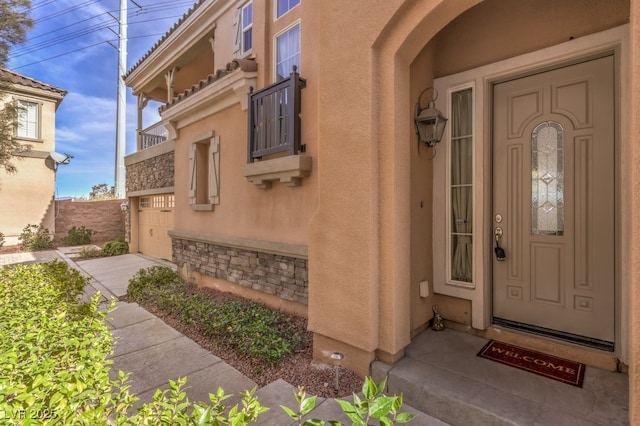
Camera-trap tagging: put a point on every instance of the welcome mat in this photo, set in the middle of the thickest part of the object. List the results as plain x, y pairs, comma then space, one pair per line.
560, 369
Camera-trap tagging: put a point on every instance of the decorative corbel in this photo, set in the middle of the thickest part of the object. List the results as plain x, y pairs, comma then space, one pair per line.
170, 78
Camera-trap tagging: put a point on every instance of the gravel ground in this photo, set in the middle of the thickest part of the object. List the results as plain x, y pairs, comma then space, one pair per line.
297, 369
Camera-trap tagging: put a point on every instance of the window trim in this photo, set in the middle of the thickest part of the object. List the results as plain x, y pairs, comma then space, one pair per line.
212, 144
243, 29
442, 204
275, 48
449, 225
38, 119
275, 9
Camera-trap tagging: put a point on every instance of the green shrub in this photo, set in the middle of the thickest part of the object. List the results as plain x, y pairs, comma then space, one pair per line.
90, 252
36, 237
52, 349
115, 247
249, 327
78, 236
1, 240
54, 367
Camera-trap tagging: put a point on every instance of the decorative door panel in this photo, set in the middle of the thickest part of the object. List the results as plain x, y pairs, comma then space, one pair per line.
553, 202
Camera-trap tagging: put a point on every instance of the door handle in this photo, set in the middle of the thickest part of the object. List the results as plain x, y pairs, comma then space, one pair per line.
501, 256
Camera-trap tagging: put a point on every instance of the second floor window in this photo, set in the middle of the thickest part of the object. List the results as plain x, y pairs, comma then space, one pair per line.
247, 25
283, 6
28, 125
287, 52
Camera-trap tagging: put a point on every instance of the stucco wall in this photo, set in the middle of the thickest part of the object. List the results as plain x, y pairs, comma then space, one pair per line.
497, 29
105, 217
277, 214
26, 198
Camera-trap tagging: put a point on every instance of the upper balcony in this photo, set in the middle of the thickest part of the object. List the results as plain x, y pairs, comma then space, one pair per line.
152, 135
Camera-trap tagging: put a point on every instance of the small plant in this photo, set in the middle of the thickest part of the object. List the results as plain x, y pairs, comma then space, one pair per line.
36, 237
1, 240
171, 407
374, 405
78, 236
90, 252
115, 247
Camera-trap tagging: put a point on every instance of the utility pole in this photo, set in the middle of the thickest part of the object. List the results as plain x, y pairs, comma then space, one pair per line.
121, 108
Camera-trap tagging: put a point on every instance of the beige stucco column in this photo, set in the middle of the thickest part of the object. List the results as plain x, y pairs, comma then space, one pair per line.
634, 194
361, 304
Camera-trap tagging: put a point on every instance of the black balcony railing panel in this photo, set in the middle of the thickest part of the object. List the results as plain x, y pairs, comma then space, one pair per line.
274, 118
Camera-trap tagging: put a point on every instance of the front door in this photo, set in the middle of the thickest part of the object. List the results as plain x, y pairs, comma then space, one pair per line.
553, 202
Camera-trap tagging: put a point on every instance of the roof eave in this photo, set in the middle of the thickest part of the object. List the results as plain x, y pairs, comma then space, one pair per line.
159, 59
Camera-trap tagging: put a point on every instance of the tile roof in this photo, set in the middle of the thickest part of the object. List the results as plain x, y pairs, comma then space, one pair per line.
23, 80
190, 12
248, 65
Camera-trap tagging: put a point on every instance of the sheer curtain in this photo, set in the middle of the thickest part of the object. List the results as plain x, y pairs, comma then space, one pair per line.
288, 52
461, 186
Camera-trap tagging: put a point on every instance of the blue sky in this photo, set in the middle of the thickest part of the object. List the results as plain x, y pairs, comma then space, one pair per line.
68, 48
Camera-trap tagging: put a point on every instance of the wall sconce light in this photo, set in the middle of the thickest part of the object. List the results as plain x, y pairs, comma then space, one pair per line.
430, 122
124, 206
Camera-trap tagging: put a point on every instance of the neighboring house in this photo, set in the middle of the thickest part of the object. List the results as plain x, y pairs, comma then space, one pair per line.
345, 216
27, 196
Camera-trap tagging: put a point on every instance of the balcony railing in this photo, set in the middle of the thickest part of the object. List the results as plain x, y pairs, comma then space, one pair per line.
274, 118
152, 135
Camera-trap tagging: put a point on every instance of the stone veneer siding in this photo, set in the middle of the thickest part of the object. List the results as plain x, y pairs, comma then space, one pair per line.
279, 275
153, 173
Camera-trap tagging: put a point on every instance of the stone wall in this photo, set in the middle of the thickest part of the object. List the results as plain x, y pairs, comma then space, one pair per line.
155, 172
283, 276
105, 217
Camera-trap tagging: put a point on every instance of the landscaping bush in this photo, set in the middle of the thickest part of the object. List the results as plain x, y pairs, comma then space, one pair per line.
78, 236
52, 349
115, 247
249, 327
53, 360
36, 237
1, 240
90, 252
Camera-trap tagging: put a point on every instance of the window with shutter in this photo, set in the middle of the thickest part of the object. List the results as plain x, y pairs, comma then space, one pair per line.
204, 173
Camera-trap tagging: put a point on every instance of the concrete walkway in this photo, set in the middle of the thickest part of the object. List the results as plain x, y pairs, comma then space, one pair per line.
153, 352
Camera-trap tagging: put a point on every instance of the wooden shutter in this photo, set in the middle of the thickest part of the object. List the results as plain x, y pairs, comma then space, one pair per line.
214, 170
237, 33
193, 178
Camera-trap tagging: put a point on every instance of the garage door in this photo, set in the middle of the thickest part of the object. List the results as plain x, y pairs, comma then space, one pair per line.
155, 220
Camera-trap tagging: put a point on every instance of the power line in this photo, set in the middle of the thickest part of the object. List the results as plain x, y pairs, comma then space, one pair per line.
77, 34
48, 41
67, 10
167, 5
81, 49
